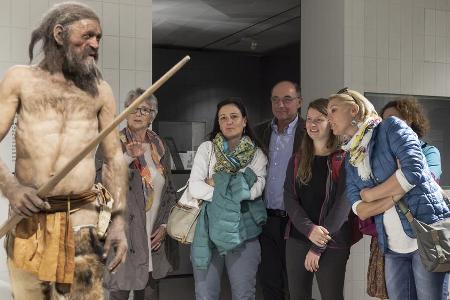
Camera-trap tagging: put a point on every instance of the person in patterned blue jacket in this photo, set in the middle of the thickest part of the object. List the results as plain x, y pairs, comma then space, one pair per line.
384, 164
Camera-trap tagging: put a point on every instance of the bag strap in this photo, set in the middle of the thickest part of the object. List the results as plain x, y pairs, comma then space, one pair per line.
210, 158
405, 210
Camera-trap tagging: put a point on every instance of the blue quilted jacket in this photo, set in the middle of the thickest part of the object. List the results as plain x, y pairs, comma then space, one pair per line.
393, 139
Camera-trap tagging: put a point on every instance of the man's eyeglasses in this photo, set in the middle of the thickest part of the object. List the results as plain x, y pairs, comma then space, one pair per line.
143, 111
285, 99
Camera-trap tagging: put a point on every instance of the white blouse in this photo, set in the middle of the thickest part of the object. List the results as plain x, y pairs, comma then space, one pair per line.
203, 167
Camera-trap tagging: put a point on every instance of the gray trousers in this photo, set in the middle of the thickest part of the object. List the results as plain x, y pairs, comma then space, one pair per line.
149, 293
241, 264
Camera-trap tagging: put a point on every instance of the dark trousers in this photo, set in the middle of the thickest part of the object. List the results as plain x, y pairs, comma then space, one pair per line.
272, 270
330, 276
149, 293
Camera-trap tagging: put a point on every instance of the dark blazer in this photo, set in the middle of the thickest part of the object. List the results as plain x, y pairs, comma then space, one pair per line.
263, 132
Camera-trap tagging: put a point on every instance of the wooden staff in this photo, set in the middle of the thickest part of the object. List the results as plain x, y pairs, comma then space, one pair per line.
46, 188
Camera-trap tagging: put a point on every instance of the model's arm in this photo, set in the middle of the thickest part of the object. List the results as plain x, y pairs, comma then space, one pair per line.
114, 177
23, 200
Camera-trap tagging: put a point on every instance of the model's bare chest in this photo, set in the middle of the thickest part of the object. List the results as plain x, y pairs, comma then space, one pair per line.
47, 97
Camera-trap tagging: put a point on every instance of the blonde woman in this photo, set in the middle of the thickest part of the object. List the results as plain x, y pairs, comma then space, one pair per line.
385, 164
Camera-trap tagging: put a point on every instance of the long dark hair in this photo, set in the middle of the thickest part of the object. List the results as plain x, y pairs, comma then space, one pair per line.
247, 130
64, 14
306, 149
61, 57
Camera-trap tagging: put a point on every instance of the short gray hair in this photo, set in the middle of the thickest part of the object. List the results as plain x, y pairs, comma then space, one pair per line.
133, 94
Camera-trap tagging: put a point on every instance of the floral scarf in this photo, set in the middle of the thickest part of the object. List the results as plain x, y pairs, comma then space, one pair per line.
233, 161
157, 152
357, 147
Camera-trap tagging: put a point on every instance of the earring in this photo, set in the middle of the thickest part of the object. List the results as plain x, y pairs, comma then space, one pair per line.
354, 122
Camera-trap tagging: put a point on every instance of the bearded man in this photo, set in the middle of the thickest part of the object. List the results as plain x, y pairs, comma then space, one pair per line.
61, 104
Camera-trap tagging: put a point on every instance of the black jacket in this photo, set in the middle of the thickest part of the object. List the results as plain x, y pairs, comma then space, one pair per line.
334, 212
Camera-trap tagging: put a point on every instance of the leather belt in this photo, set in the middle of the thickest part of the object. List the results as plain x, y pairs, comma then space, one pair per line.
276, 213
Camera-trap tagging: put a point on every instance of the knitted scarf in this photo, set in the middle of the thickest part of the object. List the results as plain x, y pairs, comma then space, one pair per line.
233, 161
157, 151
357, 147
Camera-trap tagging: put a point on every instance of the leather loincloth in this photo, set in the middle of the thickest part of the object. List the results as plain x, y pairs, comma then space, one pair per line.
44, 244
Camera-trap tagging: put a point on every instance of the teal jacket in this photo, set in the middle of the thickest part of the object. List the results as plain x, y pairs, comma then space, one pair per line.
229, 219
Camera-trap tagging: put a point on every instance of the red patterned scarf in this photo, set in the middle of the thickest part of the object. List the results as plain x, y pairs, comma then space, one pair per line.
156, 152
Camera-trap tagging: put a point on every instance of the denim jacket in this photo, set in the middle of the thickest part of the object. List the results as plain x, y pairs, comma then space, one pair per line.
393, 139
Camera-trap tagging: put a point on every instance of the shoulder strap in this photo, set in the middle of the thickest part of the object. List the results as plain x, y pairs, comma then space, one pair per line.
210, 158
405, 210
337, 159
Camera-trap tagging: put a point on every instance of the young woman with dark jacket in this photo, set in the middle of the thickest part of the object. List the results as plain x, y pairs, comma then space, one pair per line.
319, 234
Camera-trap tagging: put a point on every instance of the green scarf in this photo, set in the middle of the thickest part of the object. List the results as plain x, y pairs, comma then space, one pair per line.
233, 161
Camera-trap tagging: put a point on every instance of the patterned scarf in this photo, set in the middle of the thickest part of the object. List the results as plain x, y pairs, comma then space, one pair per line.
156, 151
357, 147
233, 161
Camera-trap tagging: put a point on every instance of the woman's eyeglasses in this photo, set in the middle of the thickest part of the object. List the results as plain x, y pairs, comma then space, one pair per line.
143, 111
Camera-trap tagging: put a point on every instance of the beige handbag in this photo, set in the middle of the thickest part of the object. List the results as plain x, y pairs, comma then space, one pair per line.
183, 216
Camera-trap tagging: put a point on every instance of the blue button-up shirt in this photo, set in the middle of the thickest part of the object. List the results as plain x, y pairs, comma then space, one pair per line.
280, 151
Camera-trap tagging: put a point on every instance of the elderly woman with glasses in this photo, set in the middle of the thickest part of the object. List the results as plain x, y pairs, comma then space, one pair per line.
385, 164
150, 197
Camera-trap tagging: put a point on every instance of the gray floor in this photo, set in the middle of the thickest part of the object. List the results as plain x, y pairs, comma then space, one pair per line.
175, 288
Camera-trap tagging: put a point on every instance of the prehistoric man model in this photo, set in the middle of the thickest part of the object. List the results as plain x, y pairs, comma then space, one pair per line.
61, 104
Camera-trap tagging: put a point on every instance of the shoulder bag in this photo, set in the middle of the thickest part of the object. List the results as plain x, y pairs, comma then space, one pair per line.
183, 216
433, 240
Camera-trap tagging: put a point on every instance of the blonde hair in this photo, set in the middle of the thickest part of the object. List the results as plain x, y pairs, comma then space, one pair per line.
366, 108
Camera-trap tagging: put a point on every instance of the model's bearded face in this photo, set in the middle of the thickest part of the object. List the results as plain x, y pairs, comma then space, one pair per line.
80, 57
82, 63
